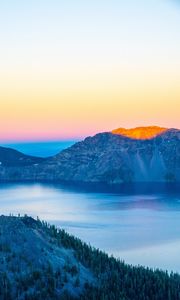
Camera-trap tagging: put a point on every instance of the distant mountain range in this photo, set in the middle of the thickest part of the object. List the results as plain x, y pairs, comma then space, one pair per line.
143, 154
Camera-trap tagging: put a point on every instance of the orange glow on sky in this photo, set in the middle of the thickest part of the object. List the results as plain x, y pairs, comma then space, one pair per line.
27, 115
63, 76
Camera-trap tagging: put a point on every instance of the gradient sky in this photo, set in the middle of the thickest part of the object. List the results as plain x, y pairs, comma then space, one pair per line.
73, 68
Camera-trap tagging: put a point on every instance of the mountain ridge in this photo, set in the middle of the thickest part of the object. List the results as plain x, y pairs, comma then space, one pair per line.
108, 158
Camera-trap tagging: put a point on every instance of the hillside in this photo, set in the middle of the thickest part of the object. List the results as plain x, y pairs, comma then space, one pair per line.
12, 158
110, 158
38, 261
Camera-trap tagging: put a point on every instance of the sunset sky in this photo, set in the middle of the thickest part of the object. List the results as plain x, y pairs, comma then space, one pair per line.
69, 69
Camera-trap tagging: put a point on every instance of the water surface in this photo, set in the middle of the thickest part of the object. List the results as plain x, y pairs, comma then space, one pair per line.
141, 226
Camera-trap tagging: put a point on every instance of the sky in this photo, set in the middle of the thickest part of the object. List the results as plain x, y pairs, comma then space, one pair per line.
69, 69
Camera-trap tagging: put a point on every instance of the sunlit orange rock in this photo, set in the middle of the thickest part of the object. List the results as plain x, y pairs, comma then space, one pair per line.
140, 133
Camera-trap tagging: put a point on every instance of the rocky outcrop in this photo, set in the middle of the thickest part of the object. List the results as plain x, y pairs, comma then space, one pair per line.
143, 133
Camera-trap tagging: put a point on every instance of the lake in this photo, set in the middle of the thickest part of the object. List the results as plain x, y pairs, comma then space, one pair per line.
139, 224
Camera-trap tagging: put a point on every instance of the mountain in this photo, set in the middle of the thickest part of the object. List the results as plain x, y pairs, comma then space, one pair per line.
12, 158
41, 262
114, 158
151, 154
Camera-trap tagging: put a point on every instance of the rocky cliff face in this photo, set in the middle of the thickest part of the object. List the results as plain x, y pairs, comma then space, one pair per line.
112, 158
109, 158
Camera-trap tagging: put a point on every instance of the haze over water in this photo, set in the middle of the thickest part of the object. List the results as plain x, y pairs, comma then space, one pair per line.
139, 225
42, 149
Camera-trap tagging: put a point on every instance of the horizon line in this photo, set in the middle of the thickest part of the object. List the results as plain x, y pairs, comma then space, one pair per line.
34, 141
73, 139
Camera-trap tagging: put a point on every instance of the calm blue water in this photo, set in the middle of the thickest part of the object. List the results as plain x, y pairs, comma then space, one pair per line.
42, 149
141, 226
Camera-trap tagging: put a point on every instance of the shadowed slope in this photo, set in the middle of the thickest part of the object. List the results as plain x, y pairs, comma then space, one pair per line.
14, 158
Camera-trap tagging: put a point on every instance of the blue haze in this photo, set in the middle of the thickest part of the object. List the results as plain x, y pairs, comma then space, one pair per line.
41, 149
